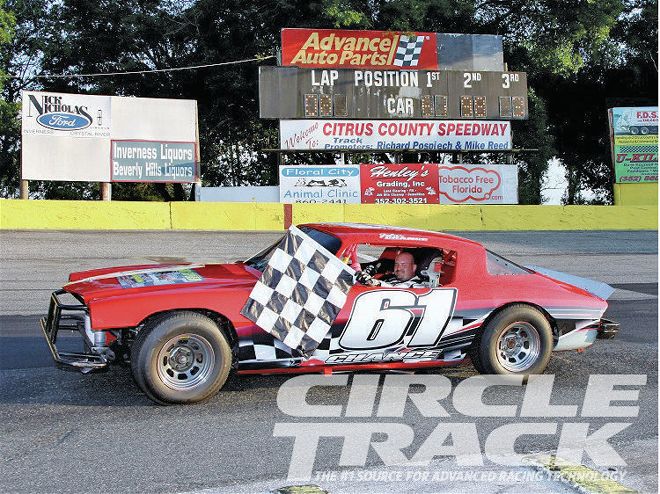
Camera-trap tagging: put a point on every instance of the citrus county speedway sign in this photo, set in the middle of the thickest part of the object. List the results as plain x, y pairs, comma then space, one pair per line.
387, 135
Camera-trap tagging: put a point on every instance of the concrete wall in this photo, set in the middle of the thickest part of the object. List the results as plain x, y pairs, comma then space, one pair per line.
636, 194
117, 215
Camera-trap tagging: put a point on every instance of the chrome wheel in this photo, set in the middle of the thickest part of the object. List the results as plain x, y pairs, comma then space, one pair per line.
185, 361
518, 347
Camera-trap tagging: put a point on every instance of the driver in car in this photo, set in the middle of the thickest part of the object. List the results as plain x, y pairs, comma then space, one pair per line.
403, 276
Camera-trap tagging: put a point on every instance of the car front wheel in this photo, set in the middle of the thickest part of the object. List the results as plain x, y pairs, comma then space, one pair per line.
518, 340
181, 357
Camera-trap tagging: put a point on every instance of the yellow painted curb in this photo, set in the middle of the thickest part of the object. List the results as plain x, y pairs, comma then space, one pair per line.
582, 478
83, 215
318, 213
300, 489
569, 217
251, 216
636, 194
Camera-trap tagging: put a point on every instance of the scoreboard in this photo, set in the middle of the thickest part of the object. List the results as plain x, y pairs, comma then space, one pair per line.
295, 93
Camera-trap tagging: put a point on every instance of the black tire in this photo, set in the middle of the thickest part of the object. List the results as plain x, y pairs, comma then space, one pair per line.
525, 337
181, 357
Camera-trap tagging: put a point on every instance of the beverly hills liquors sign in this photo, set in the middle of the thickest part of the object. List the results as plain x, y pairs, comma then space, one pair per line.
143, 161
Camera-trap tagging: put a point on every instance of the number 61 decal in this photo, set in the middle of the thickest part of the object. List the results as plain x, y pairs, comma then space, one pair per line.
384, 318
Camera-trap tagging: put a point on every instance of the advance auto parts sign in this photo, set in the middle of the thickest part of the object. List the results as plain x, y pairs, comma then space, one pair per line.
400, 183
345, 48
70, 115
320, 184
478, 184
386, 135
153, 161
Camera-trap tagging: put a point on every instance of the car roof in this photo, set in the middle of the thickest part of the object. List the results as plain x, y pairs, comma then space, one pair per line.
365, 229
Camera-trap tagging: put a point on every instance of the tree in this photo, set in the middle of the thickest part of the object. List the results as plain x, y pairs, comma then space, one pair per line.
581, 57
8, 107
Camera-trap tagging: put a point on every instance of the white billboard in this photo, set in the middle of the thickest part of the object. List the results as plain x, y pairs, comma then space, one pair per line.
67, 136
388, 135
478, 184
320, 184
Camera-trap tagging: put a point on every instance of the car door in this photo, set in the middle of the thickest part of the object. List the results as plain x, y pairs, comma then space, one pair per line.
388, 324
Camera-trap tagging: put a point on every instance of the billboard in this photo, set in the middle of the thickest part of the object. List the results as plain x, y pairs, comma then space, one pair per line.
69, 137
325, 48
634, 140
320, 184
289, 92
396, 183
153, 161
388, 135
478, 184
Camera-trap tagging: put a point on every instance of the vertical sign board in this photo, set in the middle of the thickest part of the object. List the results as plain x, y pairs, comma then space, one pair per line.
320, 184
414, 183
478, 184
341, 48
74, 137
634, 134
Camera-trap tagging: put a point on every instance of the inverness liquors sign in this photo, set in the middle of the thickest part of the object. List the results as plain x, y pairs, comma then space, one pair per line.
144, 161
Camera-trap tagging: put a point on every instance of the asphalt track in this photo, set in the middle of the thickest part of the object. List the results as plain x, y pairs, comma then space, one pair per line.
68, 432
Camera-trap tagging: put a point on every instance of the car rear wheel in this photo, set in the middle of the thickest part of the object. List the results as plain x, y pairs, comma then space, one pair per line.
518, 340
182, 357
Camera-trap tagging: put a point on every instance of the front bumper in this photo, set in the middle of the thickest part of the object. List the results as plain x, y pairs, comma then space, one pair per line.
70, 317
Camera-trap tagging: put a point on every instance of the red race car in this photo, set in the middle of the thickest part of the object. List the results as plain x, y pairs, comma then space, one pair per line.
412, 299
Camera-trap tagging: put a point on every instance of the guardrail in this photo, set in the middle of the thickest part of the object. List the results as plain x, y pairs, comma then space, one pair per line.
118, 215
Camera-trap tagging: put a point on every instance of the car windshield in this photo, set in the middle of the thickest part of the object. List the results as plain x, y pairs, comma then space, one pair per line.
330, 242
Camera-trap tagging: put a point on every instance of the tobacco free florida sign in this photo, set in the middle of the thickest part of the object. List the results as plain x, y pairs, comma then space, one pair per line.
153, 161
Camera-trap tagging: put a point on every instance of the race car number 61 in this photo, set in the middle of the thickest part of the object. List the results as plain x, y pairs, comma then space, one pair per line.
383, 318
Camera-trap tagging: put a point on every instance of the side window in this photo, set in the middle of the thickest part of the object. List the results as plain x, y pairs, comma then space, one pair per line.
429, 266
499, 266
328, 241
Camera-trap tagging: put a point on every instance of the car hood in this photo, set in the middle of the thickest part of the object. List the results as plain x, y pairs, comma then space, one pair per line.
125, 280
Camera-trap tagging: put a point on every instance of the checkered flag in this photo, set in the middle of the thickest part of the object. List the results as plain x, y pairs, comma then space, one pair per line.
300, 292
407, 53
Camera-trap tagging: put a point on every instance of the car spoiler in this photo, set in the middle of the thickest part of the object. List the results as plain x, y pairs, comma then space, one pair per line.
597, 288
